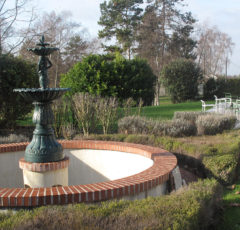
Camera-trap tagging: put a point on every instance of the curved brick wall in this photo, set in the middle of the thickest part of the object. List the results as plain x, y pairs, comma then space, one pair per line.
164, 163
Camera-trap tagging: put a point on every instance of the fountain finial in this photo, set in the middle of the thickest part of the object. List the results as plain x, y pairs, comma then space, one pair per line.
44, 63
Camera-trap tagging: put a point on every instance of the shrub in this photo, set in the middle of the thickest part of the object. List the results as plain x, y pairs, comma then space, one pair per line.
13, 138
135, 125
68, 131
192, 207
180, 128
15, 73
64, 116
214, 87
85, 111
189, 116
212, 124
106, 111
221, 85
140, 125
222, 167
175, 128
109, 76
181, 78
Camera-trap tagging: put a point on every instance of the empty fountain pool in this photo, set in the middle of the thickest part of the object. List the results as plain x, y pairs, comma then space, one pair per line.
97, 171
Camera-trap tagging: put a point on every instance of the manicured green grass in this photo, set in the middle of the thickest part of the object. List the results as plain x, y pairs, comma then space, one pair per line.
231, 215
166, 111
230, 195
231, 219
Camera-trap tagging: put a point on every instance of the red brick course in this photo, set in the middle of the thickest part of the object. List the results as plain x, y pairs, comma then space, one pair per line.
43, 167
164, 163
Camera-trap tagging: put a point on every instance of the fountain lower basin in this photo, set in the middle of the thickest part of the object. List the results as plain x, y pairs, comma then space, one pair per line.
98, 171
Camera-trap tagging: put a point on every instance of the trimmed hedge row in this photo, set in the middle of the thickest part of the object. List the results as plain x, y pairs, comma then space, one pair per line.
183, 124
193, 207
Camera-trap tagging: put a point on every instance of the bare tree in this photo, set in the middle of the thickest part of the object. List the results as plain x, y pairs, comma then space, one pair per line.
13, 15
106, 111
85, 111
59, 31
214, 48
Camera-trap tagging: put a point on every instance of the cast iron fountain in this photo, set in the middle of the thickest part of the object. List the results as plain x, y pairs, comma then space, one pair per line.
43, 147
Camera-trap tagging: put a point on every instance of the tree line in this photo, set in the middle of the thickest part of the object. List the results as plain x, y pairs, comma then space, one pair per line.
159, 31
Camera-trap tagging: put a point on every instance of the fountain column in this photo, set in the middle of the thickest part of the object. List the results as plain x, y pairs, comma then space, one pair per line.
44, 163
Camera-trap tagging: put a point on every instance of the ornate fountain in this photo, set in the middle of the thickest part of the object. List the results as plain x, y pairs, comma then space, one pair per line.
43, 149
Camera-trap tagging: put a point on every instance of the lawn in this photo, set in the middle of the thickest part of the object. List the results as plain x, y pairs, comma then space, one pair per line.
166, 109
231, 215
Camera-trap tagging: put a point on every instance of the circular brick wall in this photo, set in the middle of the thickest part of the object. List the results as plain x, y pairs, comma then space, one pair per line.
159, 173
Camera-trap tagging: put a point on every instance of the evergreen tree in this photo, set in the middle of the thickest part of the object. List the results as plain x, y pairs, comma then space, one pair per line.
181, 44
181, 78
74, 51
120, 19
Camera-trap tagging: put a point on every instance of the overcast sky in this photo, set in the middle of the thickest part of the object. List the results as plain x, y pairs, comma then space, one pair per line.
225, 14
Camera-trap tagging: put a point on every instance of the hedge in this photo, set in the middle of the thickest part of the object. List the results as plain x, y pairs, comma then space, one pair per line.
192, 207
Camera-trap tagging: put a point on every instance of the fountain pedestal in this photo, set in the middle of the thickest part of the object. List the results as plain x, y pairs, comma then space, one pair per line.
50, 174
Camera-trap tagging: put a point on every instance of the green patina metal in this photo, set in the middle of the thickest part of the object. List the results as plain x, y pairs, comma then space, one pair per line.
43, 147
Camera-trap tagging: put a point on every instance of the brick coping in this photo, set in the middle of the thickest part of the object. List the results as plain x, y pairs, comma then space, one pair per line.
158, 173
43, 167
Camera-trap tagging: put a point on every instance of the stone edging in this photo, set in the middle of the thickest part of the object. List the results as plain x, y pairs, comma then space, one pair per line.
43, 167
164, 163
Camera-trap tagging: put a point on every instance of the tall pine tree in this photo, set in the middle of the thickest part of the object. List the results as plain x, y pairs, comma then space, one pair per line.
120, 19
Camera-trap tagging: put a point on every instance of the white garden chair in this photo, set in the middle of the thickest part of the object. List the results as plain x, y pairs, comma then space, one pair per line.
236, 107
204, 105
221, 104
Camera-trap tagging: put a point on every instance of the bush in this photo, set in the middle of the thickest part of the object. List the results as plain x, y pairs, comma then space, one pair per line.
84, 106
189, 116
181, 78
15, 73
214, 87
135, 125
220, 86
222, 167
212, 124
180, 128
106, 111
140, 125
109, 76
192, 207
64, 115
13, 138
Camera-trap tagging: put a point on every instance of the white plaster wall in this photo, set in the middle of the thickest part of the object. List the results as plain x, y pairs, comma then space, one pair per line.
92, 166
10, 174
154, 192
46, 179
86, 166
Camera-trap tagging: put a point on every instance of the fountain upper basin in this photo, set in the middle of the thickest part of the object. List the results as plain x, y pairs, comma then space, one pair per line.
41, 95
